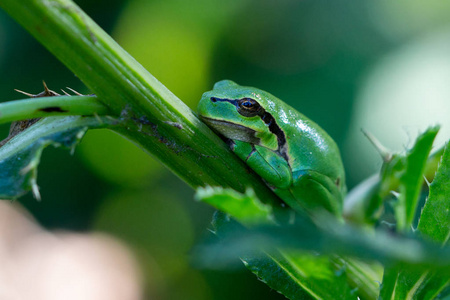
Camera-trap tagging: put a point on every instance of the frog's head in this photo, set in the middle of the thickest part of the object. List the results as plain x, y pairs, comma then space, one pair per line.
240, 113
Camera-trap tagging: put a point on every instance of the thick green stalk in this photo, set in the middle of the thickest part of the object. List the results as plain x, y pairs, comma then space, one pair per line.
159, 122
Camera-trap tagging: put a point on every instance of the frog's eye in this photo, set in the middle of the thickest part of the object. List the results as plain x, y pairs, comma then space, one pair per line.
248, 107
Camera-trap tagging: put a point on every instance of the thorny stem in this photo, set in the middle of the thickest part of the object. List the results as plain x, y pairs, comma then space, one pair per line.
51, 106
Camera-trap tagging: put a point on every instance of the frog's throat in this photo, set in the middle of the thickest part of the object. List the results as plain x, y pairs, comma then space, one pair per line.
232, 130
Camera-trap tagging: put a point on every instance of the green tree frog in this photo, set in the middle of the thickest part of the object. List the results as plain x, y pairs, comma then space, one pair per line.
296, 158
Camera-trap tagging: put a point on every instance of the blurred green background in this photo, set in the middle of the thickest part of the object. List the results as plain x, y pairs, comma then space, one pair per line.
379, 65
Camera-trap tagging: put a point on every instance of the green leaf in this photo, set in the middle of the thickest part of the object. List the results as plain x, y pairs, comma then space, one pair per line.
339, 239
295, 274
246, 208
20, 156
434, 221
406, 283
412, 179
402, 253
432, 284
364, 203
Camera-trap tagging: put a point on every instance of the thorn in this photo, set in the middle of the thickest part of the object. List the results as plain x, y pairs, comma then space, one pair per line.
388, 224
28, 168
99, 120
45, 87
73, 91
25, 93
426, 180
112, 119
47, 92
386, 155
35, 190
395, 194
65, 93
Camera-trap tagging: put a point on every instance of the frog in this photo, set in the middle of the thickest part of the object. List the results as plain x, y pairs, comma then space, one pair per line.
293, 155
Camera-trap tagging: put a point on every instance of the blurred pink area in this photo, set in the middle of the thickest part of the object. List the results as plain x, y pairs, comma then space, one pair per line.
38, 264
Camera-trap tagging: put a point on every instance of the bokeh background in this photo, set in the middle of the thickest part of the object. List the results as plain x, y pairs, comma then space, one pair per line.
383, 66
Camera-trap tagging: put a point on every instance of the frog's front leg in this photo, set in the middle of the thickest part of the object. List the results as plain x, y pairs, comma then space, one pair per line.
303, 190
266, 163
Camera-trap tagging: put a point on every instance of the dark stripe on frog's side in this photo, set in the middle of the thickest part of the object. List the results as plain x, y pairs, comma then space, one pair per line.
270, 121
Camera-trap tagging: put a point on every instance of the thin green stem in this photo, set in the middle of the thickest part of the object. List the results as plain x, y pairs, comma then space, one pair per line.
51, 106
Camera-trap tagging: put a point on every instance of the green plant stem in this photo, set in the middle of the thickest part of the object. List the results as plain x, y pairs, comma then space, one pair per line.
157, 120
51, 106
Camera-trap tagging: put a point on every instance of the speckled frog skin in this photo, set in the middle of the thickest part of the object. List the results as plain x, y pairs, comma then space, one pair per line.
296, 158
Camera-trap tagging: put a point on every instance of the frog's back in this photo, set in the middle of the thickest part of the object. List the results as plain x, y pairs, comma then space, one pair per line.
315, 162
308, 145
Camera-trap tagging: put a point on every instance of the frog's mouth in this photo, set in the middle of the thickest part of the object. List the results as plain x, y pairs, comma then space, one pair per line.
232, 131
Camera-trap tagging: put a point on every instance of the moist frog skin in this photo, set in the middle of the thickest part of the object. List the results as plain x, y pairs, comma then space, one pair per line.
296, 158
